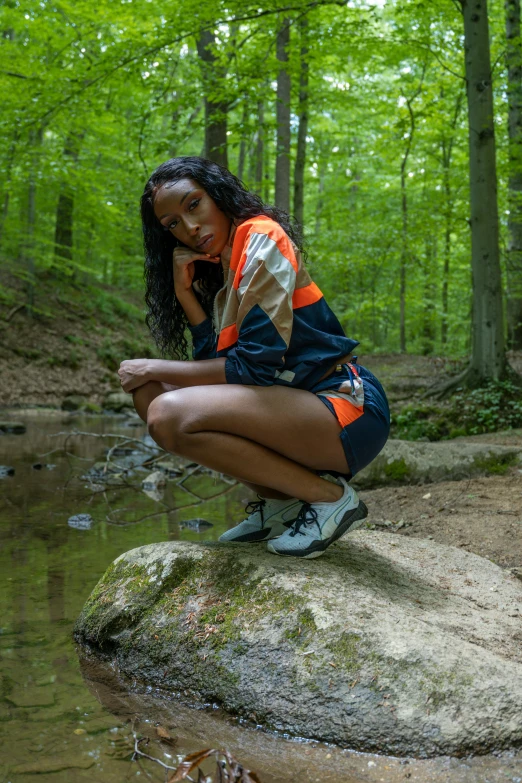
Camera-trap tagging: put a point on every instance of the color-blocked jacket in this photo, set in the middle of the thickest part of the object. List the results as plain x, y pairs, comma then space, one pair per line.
271, 321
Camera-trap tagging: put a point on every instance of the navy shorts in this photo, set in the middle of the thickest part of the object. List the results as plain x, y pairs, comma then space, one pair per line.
357, 400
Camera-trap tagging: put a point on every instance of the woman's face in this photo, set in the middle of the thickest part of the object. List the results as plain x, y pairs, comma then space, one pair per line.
189, 213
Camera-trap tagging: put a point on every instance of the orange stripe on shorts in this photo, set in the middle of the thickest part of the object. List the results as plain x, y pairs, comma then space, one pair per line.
345, 411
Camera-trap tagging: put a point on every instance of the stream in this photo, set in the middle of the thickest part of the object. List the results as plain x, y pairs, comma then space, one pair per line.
65, 716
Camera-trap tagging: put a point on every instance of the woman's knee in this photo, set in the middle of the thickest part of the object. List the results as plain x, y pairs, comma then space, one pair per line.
167, 420
143, 396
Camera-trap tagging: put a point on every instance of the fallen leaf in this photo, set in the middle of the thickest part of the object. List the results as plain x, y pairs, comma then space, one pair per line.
165, 736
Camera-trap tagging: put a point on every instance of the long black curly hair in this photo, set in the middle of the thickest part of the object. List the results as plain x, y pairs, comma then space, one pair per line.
166, 318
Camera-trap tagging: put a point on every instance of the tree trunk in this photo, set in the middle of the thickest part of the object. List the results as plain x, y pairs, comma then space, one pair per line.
300, 158
428, 310
35, 140
63, 232
320, 197
488, 360
448, 216
447, 144
243, 142
7, 185
405, 250
260, 148
514, 246
215, 111
282, 175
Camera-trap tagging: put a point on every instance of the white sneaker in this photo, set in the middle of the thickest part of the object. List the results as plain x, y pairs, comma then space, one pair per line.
267, 518
320, 524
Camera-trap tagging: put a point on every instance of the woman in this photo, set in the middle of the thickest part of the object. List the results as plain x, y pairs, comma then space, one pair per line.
272, 398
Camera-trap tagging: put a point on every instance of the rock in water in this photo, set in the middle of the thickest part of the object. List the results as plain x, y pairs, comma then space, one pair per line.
80, 521
6, 470
385, 644
198, 525
12, 427
154, 481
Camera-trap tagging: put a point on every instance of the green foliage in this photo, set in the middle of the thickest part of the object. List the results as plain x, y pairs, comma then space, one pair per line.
96, 95
492, 407
426, 422
489, 408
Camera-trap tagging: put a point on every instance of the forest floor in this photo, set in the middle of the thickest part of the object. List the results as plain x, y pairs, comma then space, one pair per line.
81, 332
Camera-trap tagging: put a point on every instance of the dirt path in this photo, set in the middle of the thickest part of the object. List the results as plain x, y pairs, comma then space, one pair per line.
482, 515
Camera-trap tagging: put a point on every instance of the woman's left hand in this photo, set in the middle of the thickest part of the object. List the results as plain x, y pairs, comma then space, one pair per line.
133, 373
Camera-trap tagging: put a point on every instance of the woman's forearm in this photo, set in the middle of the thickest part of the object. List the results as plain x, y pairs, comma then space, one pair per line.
179, 373
193, 310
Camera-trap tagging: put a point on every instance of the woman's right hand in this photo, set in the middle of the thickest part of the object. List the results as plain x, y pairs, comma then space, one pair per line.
183, 261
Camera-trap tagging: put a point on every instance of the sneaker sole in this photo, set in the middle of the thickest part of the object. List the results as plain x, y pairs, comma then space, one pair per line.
255, 537
352, 520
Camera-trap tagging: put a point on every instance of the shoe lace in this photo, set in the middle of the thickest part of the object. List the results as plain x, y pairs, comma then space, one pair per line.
307, 516
256, 505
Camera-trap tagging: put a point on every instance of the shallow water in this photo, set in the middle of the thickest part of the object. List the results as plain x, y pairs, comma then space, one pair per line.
75, 721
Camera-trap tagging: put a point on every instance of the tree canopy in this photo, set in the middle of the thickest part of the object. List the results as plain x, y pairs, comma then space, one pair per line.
353, 113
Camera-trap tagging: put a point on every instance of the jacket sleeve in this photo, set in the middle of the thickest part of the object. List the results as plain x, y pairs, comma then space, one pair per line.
204, 340
265, 285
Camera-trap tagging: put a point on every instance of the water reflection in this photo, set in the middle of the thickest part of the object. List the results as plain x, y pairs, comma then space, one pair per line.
48, 569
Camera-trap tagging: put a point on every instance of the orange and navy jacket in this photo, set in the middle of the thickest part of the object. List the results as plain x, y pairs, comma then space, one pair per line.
271, 321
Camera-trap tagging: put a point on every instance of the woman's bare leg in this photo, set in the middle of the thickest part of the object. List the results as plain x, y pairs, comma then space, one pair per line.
273, 437
142, 398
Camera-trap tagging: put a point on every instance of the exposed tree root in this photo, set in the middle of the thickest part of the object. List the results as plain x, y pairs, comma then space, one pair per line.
469, 378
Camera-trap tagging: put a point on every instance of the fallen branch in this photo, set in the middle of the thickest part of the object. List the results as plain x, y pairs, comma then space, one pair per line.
228, 768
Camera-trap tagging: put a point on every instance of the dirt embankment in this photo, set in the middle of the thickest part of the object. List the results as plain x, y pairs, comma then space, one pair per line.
73, 343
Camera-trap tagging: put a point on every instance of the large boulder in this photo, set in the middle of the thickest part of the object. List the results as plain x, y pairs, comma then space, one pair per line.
387, 644
413, 462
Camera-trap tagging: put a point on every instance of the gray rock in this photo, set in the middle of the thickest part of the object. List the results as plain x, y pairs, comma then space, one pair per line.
154, 481
80, 521
170, 466
117, 401
12, 427
198, 525
386, 644
412, 462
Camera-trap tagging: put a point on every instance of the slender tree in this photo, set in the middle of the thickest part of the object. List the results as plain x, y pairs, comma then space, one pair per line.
215, 110
260, 147
63, 232
282, 172
300, 158
447, 141
405, 245
514, 246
